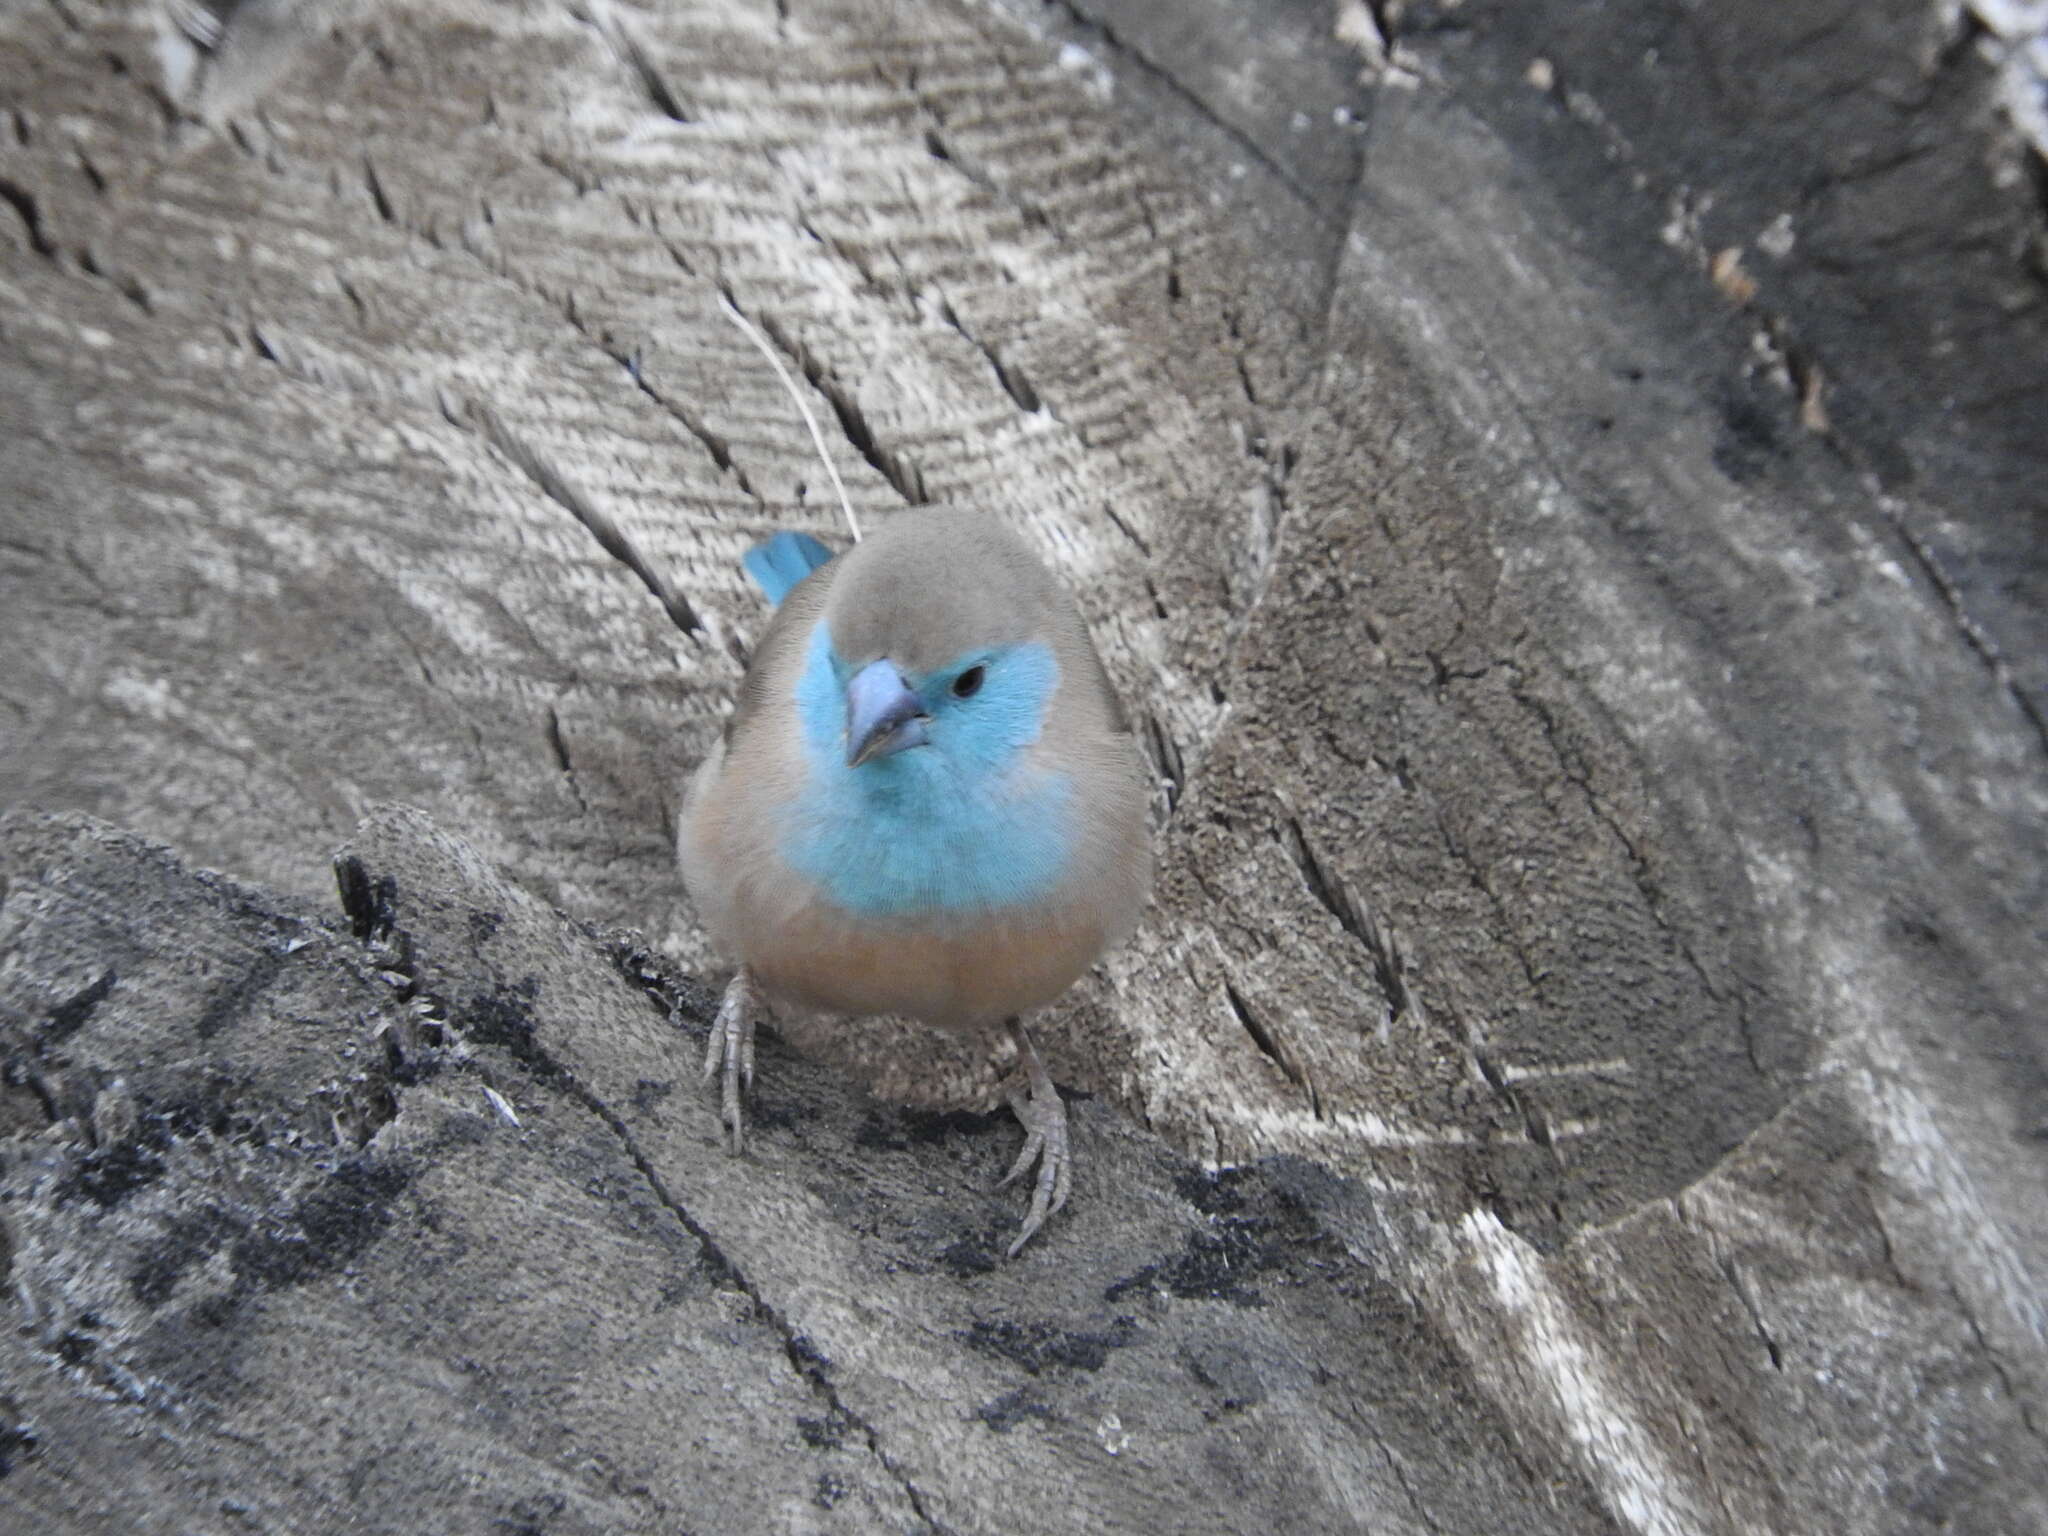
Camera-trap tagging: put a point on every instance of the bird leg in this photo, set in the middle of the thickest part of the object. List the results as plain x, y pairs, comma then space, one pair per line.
1037, 1105
729, 1052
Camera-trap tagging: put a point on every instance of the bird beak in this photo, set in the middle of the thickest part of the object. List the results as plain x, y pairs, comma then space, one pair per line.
882, 715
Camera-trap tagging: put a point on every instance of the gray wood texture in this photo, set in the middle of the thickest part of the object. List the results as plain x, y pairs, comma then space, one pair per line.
1560, 497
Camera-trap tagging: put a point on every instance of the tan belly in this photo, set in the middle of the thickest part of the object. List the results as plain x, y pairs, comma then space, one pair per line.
955, 975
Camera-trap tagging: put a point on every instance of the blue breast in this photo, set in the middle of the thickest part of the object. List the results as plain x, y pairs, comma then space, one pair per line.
959, 825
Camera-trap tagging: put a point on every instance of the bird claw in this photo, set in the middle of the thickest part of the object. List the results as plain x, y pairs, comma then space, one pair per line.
1039, 1109
729, 1054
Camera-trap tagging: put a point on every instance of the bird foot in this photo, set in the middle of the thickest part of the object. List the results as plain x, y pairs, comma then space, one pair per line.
1040, 1110
729, 1053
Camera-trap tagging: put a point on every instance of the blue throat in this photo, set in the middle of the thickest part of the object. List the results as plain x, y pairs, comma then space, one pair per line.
958, 825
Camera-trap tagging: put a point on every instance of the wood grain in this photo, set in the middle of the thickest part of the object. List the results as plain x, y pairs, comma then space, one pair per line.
1599, 829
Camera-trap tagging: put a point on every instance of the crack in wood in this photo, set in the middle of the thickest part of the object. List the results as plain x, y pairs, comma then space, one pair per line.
1974, 634
366, 901
1755, 1311
374, 185
1182, 93
1016, 384
897, 469
29, 212
1261, 1036
559, 489
1354, 917
804, 1358
1166, 758
659, 91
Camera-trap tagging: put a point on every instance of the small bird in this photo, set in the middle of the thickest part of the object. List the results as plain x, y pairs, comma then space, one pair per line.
926, 802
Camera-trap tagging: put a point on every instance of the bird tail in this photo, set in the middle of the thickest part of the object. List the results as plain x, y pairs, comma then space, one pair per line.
778, 564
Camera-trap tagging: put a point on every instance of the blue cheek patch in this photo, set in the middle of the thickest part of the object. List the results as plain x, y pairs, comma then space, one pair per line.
957, 825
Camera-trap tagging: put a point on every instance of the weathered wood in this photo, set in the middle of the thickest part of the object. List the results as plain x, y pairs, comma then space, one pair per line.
331, 1279
1591, 678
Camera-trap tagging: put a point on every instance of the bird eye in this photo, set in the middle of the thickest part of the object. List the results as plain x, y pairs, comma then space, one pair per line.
968, 683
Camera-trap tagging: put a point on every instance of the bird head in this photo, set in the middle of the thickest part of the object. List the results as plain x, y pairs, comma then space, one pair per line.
936, 649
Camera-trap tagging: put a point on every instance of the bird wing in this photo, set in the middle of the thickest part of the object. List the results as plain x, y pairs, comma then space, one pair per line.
779, 564
1076, 646
779, 653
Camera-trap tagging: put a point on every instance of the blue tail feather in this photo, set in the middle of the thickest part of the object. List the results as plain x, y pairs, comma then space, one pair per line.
778, 564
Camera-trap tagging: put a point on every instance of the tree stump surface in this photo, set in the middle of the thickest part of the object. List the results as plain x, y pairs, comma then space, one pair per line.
1560, 496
